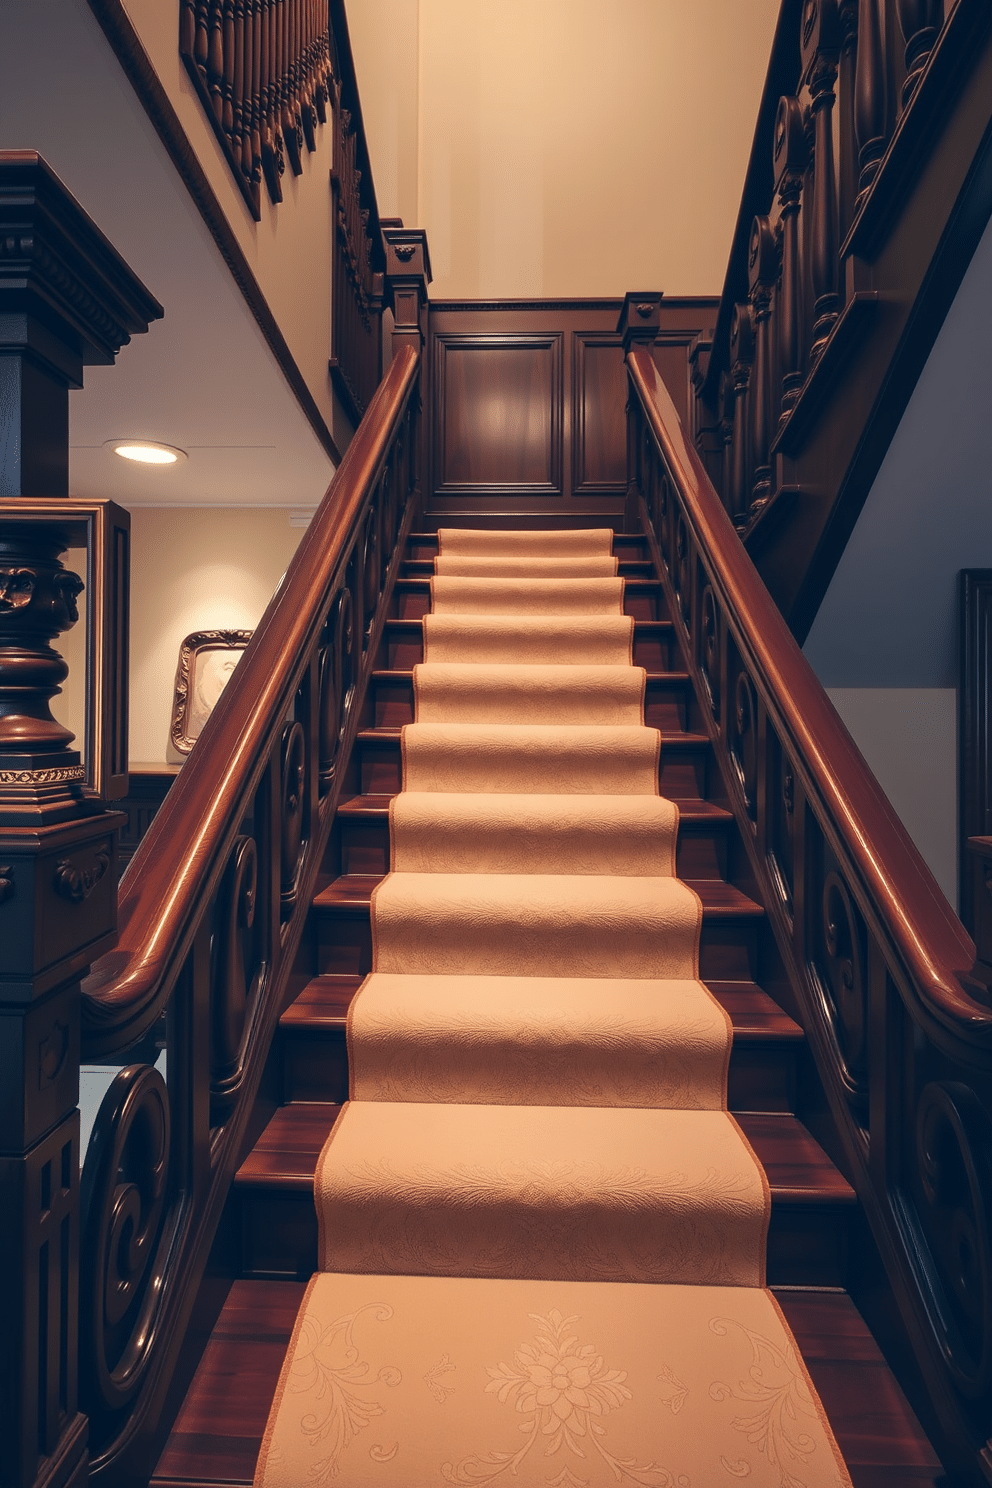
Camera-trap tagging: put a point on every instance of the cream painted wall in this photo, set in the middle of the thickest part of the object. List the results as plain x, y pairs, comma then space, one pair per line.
193, 569
564, 147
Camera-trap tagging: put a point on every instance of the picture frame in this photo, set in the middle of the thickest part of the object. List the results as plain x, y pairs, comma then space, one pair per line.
206, 660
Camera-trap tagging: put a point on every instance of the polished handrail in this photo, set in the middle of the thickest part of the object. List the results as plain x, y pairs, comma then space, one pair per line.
183, 855
935, 948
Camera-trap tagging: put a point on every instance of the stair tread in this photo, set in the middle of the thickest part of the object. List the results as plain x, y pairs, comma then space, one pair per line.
720, 900
681, 741
324, 1001
218, 1431
405, 674
799, 1171
377, 806
641, 627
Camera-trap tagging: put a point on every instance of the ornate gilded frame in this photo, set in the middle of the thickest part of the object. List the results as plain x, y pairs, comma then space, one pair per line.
188, 717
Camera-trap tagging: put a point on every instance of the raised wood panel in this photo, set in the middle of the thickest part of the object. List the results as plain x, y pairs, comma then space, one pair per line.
499, 411
528, 403
600, 419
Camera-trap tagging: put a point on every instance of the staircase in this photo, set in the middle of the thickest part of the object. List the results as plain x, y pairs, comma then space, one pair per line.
269, 1236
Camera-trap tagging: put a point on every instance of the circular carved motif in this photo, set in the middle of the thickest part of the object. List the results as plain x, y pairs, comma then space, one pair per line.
709, 648
123, 1197
744, 740
954, 1162
846, 976
293, 773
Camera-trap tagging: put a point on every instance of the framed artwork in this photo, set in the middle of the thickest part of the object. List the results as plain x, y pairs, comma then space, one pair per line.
206, 660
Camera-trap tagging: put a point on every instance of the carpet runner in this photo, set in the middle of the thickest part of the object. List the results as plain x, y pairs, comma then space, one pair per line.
542, 1235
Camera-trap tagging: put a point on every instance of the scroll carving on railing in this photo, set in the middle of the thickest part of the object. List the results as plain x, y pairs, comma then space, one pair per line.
882, 971
262, 70
852, 75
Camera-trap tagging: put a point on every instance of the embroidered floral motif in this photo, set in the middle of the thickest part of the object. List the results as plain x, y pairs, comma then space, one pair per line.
776, 1387
563, 1388
673, 1390
327, 1362
436, 1384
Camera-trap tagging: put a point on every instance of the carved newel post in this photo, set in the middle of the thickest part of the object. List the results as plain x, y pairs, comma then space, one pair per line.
408, 273
638, 327
66, 299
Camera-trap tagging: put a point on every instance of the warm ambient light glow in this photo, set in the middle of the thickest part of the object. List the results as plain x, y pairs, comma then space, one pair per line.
147, 451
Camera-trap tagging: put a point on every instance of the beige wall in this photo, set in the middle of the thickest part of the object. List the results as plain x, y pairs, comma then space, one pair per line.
193, 569
564, 147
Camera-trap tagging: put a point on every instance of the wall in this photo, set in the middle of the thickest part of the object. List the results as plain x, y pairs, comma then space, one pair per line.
568, 147
193, 570
884, 642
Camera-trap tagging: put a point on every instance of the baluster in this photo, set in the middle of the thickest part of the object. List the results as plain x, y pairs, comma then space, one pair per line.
291, 134
227, 115
920, 22
790, 158
848, 163
308, 113
271, 138
821, 49
257, 19
201, 45
187, 28
741, 362
215, 59
726, 429
870, 94
238, 131
762, 272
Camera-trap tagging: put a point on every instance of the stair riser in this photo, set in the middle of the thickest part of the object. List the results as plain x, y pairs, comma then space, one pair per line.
412, 600
762, 1077
701, 851
682, 773
807, 1244
665, 703
653, 652
728, 949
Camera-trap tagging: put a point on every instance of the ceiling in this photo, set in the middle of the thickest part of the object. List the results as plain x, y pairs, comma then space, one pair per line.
204, 378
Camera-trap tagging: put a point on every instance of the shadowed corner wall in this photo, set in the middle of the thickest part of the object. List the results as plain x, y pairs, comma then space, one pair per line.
884, 642
566, 147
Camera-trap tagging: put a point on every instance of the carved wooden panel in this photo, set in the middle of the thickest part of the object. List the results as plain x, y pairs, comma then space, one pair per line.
528, 402
600, 424
499, 410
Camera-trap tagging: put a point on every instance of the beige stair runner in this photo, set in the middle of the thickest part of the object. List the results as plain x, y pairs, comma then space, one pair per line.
542, 1236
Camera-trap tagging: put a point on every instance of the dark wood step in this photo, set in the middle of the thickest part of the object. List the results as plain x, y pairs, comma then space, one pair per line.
654, 642
634, 544
666, 696
701, 848
807, 1237
644, 598
728, 942
218, 1433
628, 567
683, 769
762, 1074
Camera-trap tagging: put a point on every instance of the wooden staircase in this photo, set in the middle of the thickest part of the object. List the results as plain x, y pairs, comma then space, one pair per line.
268, 1239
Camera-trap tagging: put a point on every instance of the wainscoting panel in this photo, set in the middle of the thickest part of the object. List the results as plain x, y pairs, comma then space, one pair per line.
528, 403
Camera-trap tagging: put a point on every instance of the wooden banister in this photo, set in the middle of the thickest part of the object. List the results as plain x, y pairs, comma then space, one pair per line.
881, 970
212, 911
844, 262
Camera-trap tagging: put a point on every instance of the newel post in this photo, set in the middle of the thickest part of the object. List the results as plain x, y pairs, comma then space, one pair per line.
638, 326
67, 299
408, 273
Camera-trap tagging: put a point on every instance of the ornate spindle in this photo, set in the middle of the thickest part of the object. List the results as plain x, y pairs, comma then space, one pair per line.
201, 43
239, 133
291, 133
920, 22
215, 59
741, 362
762, 273
848, 170
789, 161
255, 20
187, 27
726, 429
870, 108
227, 114
821, 49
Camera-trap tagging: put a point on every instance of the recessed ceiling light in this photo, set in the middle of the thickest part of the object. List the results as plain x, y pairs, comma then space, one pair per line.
146, 451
